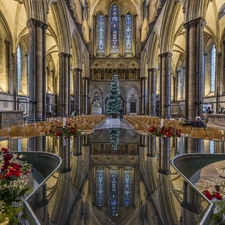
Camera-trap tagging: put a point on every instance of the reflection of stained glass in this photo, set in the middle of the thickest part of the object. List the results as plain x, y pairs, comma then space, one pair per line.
100, 186
114, 29
113, 192
128, 34
127, 187
101, 34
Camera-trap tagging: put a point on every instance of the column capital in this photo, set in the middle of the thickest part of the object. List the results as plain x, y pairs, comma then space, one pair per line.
166, 55
76, 70
36, 23
152, 69
63, 54
195, 22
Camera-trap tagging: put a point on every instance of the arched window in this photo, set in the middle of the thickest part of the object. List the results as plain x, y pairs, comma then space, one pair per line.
128, 34
101, 34
114, 29
19, 68
213, 69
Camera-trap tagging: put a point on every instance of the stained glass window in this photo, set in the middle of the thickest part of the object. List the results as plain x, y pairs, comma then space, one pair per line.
100, 186
213, 68
101, 34
114, 29
128, 34
113, 192
19, 68
127, 187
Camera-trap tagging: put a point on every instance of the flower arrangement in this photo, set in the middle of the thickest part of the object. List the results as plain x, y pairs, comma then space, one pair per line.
13, 184
63, 131
213, 190
164, 131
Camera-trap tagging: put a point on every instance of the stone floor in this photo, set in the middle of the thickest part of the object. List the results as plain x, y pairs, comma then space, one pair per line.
114, 123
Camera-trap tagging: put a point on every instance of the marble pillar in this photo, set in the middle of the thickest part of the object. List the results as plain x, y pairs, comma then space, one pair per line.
165, 84
77, 80
64, 84
37, 70
152, 91
194, 67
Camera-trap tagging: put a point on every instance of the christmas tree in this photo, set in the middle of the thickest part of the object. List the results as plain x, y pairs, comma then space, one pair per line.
114, 102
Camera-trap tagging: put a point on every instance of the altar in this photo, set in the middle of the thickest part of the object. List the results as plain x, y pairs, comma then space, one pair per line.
96, 110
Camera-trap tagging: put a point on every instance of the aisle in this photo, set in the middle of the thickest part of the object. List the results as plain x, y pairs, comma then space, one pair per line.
113, 123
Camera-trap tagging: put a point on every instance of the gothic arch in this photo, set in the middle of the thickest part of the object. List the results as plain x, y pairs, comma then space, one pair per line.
76, 50
37, 10
62, 24
195, 9
172, 10
153, 50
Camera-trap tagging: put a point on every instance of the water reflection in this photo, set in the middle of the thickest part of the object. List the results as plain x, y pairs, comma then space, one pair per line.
132, 183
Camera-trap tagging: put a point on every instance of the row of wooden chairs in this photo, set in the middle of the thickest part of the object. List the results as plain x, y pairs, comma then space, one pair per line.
39, 128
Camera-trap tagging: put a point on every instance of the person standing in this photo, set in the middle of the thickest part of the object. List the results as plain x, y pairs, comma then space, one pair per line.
121, 113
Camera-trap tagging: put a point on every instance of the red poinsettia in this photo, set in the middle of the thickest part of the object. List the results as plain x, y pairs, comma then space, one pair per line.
216, 194
165, 131
63, 131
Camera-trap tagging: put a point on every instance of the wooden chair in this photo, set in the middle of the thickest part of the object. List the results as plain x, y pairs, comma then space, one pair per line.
198, 128
4, 133
186, 130
17, 131
32, 131
198, 134
217, 134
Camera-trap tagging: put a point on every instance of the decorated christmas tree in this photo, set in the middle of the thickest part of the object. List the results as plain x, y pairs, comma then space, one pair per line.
114, 102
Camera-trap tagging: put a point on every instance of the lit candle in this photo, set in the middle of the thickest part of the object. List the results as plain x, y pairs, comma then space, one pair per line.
64, 122
162, 123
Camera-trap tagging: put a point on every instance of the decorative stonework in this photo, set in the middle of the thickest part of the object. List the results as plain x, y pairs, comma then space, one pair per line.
10, 118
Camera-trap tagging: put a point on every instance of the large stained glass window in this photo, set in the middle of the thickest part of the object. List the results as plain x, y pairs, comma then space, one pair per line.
127, 187
113, 192
114, 29
101, 34
19, 68
100, 186
128, 34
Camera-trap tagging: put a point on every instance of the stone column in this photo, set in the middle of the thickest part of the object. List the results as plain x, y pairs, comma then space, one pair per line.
64, 84
165, 85
152, 91
85, 95
77, 81
194, 67
37, 70
151, 144
144, 96
164, 156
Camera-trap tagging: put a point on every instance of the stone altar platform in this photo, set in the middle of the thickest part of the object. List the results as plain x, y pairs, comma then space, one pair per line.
96, 110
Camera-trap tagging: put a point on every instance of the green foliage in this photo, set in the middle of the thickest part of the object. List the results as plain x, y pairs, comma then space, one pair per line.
218, 213
114, 103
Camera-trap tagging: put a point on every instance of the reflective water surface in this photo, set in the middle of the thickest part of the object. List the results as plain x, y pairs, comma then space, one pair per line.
116, 176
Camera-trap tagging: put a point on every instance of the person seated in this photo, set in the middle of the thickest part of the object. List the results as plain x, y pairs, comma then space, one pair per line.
209, 110
197, 122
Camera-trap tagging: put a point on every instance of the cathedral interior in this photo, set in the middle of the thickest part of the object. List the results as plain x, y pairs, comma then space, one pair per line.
58, 59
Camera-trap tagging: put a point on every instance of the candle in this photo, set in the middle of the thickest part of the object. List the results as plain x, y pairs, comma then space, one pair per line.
64, 122
161, 123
